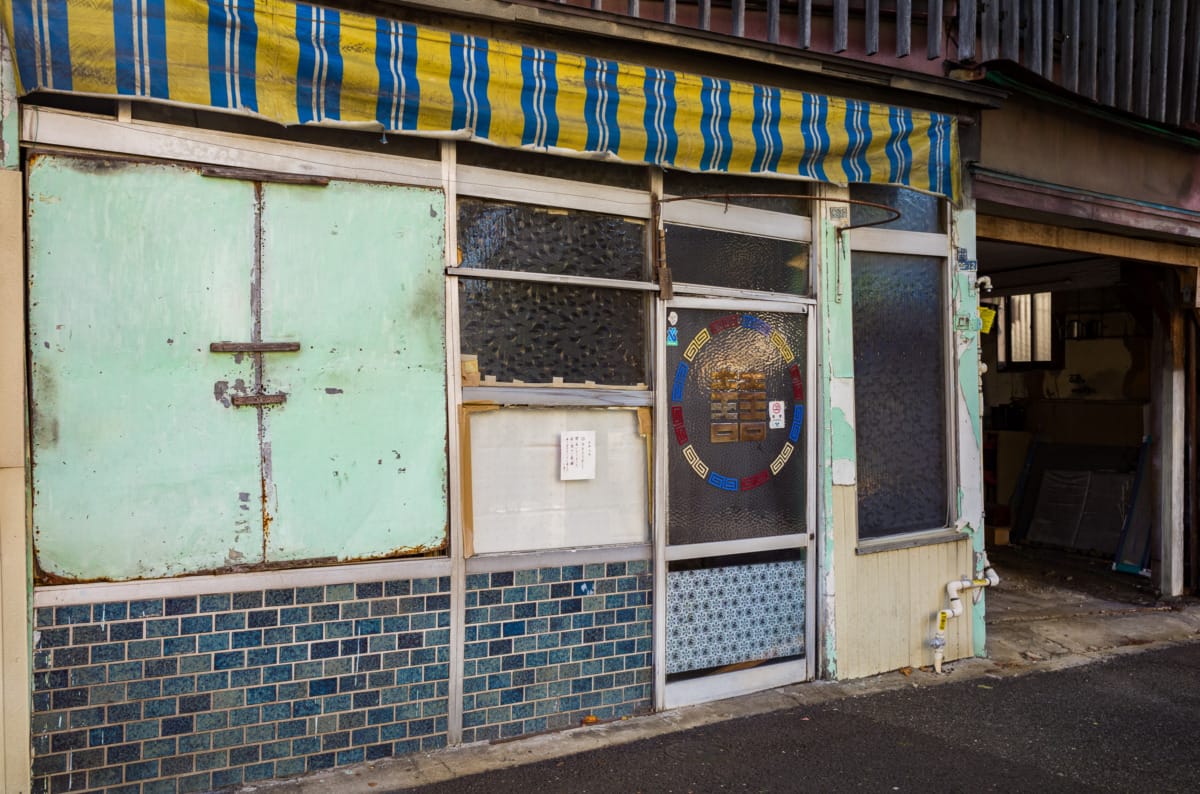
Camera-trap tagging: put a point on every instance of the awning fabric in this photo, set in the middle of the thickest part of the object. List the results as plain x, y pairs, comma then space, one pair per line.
301, 64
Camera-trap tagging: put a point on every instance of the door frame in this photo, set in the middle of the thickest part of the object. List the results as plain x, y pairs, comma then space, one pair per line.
717, 686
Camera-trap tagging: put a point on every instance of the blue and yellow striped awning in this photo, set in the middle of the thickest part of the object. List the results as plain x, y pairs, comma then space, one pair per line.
301, 64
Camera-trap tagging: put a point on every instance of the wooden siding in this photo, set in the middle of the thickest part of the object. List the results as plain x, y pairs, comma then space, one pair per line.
887, 601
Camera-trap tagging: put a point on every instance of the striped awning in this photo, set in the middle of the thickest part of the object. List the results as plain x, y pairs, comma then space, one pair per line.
301, 64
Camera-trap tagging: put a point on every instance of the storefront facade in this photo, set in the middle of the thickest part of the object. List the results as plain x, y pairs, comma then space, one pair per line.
517, 390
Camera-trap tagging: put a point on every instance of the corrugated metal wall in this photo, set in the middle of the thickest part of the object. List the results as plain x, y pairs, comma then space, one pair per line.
1141, 56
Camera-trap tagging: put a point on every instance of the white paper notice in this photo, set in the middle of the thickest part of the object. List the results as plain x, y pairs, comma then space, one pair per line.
776, 414
578, 458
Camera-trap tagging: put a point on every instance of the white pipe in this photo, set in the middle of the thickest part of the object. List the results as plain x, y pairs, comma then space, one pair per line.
953, 588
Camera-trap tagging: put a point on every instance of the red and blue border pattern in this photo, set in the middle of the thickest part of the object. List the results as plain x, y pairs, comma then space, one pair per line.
679, 385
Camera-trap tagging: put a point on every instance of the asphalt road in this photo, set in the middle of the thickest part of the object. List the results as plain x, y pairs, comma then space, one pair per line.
1129, 724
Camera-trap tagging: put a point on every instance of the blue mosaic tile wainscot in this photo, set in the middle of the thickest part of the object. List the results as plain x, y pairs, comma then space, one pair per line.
199, 693
547, 647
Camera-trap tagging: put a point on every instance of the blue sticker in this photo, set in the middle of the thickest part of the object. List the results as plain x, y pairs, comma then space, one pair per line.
672, 337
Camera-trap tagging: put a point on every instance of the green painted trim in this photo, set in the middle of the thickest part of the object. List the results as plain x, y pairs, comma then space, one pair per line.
842, 437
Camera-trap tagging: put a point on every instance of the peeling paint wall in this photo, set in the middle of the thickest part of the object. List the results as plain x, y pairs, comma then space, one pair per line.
140, 447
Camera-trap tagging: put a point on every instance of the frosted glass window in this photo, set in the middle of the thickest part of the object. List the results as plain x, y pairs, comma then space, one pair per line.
899, 393
726, 259
520, 237
537, 332
919, 212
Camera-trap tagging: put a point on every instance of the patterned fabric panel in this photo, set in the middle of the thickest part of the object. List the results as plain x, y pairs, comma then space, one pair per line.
740, 613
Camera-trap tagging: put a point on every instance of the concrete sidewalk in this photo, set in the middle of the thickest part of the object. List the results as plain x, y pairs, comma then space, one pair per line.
1033, 626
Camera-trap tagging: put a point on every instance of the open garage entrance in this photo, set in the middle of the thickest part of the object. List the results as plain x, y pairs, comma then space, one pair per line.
1089, 413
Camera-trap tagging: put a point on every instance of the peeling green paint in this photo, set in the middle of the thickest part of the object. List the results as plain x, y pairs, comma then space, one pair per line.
968, 386
138, 437
842, 441
9, 136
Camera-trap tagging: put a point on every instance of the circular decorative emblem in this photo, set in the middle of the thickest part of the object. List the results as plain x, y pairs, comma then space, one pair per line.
740, 410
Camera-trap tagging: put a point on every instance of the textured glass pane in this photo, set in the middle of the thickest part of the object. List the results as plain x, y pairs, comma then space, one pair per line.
920, 212
536, 332
521, 237
734, 614
677, 183
725, 259
899, 393
1042, 350
737, 440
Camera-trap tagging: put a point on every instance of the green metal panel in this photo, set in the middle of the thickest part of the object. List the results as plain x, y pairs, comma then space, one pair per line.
141, 467
358, 452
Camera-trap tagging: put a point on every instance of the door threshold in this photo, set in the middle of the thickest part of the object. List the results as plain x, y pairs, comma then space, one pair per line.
719, 686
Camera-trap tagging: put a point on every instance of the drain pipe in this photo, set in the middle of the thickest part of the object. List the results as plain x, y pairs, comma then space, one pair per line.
953, 588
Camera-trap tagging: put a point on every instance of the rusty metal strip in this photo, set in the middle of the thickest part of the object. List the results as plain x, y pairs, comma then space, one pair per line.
257, 400
254, 175
254, 347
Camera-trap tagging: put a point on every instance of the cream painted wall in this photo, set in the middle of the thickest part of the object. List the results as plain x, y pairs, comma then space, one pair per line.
888, 601
14, 559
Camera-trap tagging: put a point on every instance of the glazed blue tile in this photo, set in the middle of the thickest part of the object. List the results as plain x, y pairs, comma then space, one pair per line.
368, 590
310, 633
339, 592
339, 629
262, 618
400, 587
283, 635
293, 615
324, 686
73, 614
250, 600
207, 643
424, 586
352, 683
247, 639
245, 677
336, 703
230, 621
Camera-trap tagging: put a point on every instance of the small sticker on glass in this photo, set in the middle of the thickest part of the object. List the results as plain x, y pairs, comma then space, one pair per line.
775, 415
672, 337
